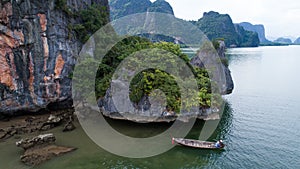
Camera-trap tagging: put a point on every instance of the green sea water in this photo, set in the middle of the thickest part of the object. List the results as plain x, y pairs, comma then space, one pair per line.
260, 124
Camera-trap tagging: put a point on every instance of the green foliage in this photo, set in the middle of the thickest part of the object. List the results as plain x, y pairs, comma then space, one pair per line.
224, 61
260, 29
82, 85
247, 38
216, 44
93, 18
113, 58
215, 25
158, 38
273, 44
121, 8
149, 80
161, 6
62, 5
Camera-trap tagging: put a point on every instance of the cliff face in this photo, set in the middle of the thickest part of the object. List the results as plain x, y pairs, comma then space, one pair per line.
205, 54
216, 25
161, 6
259, 29
228, 89
247, 38
38, 52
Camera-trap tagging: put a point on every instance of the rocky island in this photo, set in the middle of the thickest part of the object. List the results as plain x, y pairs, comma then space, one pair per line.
39, 48
40, 43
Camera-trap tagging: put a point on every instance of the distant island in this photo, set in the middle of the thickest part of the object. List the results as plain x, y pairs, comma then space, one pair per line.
259, 29
283, 41
220, 26
297, 41
213, 24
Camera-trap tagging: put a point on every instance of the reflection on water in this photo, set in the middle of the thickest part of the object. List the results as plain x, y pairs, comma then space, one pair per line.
138, 130
245, 56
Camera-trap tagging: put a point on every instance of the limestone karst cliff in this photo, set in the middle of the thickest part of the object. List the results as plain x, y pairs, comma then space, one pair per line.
38, 50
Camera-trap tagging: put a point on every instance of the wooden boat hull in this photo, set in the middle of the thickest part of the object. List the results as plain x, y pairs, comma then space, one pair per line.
195, 143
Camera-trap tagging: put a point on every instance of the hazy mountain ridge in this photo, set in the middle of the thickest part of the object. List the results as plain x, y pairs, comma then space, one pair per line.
121, 8
283, 40
297, 41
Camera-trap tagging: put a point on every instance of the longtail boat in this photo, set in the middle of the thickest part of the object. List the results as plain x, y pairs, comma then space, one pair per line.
197, 143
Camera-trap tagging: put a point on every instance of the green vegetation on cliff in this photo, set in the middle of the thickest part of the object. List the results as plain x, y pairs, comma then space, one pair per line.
91, 19
161, 6
121, 8
216, 25
149, 80
259, 29
246, 38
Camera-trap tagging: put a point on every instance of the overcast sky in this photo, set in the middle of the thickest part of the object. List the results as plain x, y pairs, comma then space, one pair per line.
280, 17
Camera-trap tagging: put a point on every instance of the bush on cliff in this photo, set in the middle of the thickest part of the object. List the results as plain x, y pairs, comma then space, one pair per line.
149, 80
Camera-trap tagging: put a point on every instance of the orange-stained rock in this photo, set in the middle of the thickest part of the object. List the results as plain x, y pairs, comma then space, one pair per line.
13, 69
19, 36
32, 34
13, 39
31, 76
5, 13
46, 52
8, 41
58, 69
59, 65
43, 22
5, 71
43, 25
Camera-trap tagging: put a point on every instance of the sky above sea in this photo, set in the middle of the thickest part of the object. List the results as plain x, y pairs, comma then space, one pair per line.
281, 18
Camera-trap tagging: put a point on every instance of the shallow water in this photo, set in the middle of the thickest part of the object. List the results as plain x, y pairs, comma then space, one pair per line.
260, 124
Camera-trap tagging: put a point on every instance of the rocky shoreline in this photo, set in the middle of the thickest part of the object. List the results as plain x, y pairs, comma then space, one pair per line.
31, 124
138, 117
159, 119
40, 149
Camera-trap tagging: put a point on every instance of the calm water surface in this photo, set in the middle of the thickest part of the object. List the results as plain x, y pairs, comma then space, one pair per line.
260, 124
